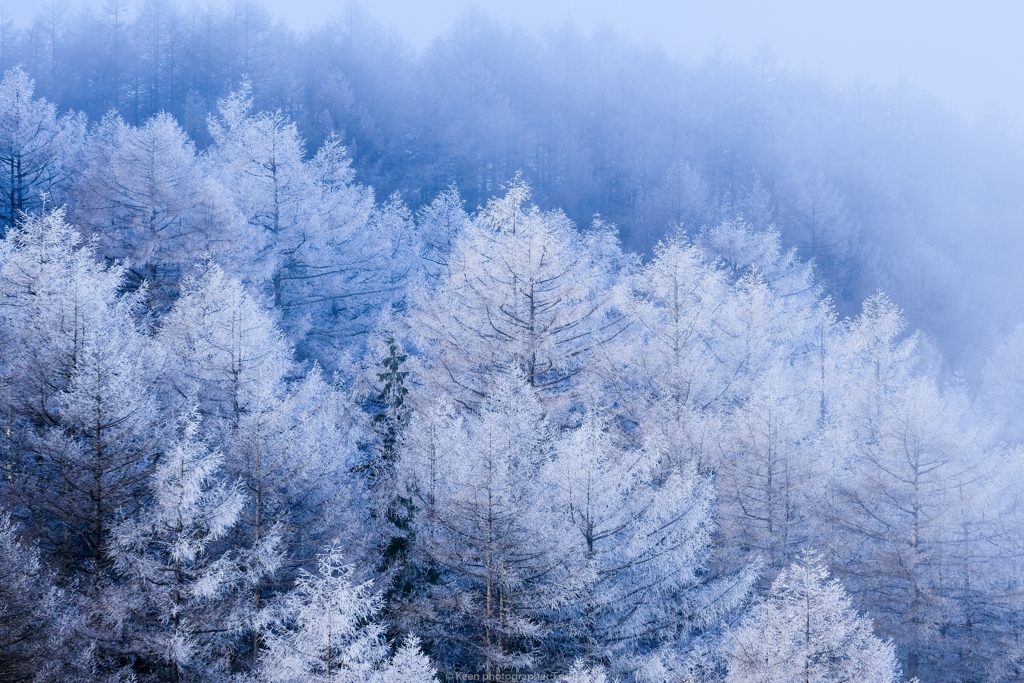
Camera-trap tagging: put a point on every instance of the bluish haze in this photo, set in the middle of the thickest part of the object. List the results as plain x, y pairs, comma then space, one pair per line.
969, 55
517, 348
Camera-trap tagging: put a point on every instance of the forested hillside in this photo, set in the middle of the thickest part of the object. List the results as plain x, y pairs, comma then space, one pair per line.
323, 360
881, 187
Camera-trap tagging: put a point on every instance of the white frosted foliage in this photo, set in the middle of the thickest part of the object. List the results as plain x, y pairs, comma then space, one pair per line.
807, 630
322, 631
174, 580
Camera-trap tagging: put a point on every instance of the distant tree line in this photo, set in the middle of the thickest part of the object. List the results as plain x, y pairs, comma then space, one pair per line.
880, 187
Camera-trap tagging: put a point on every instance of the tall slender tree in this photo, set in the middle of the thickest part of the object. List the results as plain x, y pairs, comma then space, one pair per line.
484, 523
37, 148
145, 196
85, 425
321, 632
641, 541
177, 585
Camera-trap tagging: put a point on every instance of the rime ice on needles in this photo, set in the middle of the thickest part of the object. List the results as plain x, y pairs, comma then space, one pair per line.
807, 631
179, 590
37, 148
322, 631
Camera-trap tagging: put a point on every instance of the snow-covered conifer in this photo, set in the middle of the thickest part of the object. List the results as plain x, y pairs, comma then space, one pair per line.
83, 420
38, 148
485, 523
440, 224
637, 520
30, 612
665, 374
224, 348
1003, 384
806, 630
323, 631
177, 586
144, 194
741, 248
767, 468
900, 508
523, 289
331, 262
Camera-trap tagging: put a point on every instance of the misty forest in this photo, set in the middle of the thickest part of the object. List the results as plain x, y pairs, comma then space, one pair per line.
530, 355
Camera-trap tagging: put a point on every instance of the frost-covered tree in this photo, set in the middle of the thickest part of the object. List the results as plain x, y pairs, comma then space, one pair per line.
44, 635
766, 458
742, 248
807, 630
177, 587
863, 362
408, 664
84, 421
771, 318
260, 160
750, 377
289, 441
392, 505
144, 194
982, 640
358, 269
322, 631
1003, 384
294, 456
38, 148
224, 348
754, 203
870, 361
641, 539
440, 224
30, 612
768, 314
484, 524
53, 293
665, 375
330, 261
900, 503
522, 289
108, 433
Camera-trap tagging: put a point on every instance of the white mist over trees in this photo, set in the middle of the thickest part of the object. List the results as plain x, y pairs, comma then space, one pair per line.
317, 364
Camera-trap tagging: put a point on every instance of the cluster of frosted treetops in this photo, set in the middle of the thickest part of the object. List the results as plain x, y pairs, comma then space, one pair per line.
258, 425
